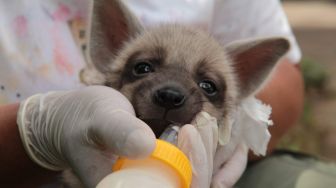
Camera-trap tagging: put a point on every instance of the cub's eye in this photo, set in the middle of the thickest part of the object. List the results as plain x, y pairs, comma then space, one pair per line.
209, 87
142, 68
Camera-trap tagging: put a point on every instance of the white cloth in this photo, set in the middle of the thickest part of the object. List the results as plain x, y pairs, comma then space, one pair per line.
38, 50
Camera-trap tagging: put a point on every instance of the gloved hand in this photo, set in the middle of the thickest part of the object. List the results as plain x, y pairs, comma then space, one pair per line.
213, 166
199, 143
230, 170
82, 129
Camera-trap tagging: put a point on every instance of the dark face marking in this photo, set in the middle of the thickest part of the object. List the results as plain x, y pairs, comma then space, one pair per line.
204, 72
154, 57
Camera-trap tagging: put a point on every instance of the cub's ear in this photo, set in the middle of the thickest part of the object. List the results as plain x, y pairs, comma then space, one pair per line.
253, 61
111, 25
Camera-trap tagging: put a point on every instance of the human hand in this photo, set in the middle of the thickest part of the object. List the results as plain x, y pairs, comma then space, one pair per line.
199, 143
82, 129
230, 170
213, 166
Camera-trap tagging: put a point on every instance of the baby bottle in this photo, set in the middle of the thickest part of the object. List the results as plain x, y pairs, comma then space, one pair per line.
166, 167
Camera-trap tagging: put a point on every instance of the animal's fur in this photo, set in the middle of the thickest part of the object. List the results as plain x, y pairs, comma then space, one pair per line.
182, 57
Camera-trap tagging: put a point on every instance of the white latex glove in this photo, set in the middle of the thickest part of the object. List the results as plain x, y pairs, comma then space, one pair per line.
82, 129
199, 143
231, 169
213, 166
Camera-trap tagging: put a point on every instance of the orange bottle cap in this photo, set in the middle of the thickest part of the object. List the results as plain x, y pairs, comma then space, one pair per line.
171, 156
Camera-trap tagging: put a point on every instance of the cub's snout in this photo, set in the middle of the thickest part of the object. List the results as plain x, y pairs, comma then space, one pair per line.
161, 100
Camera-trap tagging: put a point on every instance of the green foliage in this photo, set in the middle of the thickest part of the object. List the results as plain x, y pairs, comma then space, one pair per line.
314, 75
307, 116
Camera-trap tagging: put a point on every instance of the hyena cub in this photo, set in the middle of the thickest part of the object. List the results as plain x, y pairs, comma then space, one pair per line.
171, 72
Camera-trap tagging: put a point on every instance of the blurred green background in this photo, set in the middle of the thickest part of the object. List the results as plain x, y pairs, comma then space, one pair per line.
314, 25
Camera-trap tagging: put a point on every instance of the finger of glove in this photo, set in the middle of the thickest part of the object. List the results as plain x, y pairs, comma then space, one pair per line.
223, 154
208, 130
231, 171
103, 98
190, 142
90, 165
123, 134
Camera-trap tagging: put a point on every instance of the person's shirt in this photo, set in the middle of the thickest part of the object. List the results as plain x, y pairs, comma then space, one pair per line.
41, 41
226, 20
38, 52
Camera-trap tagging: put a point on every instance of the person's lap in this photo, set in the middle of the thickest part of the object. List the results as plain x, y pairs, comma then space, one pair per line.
285, 169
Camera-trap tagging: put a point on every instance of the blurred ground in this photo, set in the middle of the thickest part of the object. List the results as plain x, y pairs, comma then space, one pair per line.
314, 24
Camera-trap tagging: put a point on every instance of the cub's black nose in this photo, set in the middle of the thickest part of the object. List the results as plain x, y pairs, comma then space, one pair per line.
169, 98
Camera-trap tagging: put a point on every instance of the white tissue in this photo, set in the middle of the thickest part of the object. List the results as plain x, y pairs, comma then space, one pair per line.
250, 123
255, 125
